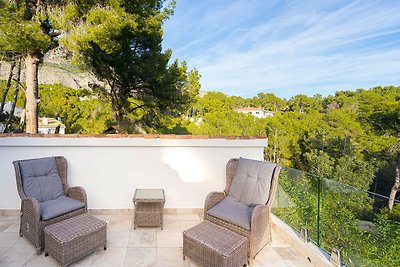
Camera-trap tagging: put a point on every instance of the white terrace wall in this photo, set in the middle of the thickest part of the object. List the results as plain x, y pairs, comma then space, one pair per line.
111, 168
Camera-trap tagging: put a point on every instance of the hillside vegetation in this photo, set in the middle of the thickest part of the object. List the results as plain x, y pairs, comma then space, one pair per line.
348, 127
351, 138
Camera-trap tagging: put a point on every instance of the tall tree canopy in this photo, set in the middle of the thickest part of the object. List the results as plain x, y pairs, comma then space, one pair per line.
27, 31
120, 42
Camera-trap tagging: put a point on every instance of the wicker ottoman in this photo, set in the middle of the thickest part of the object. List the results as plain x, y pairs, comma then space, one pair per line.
214, 246
74, 238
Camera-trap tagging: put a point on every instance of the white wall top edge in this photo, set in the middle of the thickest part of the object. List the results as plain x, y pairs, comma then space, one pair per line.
128, 142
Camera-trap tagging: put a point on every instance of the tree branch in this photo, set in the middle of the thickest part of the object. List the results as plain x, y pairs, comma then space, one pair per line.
137, 107
23, 88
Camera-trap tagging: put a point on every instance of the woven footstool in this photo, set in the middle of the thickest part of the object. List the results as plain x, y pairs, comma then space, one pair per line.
214, 246
74, 238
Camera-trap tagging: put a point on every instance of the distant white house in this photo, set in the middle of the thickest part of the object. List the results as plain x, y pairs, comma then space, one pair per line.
50, 126
197, 122
256, 112
17, 111
7, 109
46, 125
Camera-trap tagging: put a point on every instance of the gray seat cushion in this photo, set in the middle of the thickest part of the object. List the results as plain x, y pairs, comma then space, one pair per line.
252, 181
56, 207
40, 179
233, 211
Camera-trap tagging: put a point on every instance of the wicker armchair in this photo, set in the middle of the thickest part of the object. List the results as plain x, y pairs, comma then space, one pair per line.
46, 197
258, 228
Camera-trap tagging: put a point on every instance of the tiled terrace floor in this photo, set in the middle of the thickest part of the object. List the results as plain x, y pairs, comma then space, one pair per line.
128, 247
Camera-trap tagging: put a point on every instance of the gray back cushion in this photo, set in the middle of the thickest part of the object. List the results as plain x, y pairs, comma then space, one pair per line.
40, 179
252, 181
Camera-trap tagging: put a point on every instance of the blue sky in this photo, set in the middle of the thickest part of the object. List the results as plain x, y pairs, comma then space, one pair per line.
244, 47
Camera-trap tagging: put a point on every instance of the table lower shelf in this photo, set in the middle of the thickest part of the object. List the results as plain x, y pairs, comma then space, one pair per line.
148, 214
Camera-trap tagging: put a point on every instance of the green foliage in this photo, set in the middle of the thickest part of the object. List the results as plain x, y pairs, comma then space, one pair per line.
229, 123
344, 132
20, 34
342, 221
285, 130
296, 201
10, 95
12, 123
214, 102
385, 253
304, 104
354, 171
78, 109
380, 106
319, 163
267, 101
346, 141
120, 42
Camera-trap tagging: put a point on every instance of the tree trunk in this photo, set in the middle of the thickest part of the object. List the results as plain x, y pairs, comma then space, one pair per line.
344, 145
32, 65
9, 122
3, 100
23, 117
275, 154
396, 185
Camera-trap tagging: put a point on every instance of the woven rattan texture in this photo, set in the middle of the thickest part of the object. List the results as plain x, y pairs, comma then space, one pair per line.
259, 234
31, 224
214, 246
74, 238
148, 210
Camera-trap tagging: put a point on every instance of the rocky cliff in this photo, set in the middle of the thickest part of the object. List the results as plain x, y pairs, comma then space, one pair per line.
55, 69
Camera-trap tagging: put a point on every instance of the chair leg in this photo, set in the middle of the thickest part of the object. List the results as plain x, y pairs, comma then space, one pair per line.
20, 229
250, 262
39, 251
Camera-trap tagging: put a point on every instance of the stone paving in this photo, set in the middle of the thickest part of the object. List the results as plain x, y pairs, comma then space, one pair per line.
128, 247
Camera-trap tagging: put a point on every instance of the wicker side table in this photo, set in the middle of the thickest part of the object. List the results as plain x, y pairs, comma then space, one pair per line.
74, 238
149, 207
214, 246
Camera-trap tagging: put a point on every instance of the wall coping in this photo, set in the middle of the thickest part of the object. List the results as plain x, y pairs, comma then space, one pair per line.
146, 136
125, 140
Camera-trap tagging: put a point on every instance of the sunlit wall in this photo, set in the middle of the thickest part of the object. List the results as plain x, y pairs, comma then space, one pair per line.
110, 169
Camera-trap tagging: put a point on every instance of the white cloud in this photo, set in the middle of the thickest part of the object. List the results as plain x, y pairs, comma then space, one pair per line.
301, 48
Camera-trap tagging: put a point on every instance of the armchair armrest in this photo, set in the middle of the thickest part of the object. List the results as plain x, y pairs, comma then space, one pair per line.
261, 225
260, 216
30, 211
78, 193
212, 199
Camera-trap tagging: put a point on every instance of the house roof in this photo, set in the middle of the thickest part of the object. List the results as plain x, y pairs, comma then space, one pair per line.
250, 109
51, 123
115, 129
